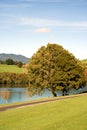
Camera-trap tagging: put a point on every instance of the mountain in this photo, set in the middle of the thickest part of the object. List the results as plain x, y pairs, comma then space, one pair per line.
4, 56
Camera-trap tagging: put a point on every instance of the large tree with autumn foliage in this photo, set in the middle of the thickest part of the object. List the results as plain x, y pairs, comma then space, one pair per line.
54, 68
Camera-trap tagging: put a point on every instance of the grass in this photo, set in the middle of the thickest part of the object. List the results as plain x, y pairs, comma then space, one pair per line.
67, 114
10, 68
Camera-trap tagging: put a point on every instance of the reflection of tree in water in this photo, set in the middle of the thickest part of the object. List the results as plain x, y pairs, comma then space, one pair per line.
32, 92
5, 94
28, 93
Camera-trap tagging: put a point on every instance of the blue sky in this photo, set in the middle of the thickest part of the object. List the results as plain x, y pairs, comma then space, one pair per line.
26, 25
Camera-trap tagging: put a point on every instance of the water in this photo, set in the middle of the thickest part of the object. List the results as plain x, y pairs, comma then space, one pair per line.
9, 95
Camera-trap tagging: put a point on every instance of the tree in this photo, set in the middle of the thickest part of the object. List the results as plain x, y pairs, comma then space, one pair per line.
20, 64
54, 68
9, 61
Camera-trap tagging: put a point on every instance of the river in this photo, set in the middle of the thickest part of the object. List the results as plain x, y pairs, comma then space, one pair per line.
10, 94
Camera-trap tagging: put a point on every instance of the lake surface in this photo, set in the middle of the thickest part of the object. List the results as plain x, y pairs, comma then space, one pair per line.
20, 94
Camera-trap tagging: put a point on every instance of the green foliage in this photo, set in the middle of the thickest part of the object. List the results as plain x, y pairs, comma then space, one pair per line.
2, 62
12, 62
9, 61
12, 74
13, 78
54, 68
19, 64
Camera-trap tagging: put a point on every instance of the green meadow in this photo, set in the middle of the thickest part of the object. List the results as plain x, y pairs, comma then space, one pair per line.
67, 114
10, 68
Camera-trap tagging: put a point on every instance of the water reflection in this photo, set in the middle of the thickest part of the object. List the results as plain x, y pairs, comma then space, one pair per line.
28, 93
8, 95
20, 93
5, 95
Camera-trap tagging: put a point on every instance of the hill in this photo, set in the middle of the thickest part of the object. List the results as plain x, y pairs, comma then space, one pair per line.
14, 57
84, 61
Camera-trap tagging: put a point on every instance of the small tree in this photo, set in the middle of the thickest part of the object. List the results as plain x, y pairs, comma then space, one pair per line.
54, 68
9, 61
20, 64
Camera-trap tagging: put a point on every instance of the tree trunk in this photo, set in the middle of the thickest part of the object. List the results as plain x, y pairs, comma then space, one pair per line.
63, 92
54, 93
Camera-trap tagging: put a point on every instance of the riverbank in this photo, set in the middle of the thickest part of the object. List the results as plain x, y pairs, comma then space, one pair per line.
39, 101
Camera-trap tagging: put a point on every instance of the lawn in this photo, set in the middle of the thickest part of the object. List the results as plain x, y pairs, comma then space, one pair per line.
67, 114
10, 68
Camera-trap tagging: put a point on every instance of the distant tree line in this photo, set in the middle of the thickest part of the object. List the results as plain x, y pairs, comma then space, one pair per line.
12, 62
13, 78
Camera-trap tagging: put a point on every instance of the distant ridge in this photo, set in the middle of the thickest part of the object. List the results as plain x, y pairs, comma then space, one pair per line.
15, 57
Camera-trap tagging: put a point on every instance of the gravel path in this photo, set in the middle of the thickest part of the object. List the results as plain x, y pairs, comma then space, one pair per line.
4, 108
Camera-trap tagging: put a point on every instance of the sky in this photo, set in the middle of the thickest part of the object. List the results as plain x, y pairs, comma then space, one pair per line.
26, 25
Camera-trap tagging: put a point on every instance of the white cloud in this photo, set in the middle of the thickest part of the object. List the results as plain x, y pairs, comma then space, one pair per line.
46, 22
43, 25
75, 24
38, 22
43, 30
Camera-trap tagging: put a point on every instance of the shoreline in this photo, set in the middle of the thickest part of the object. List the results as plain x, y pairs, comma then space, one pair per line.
39, 101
